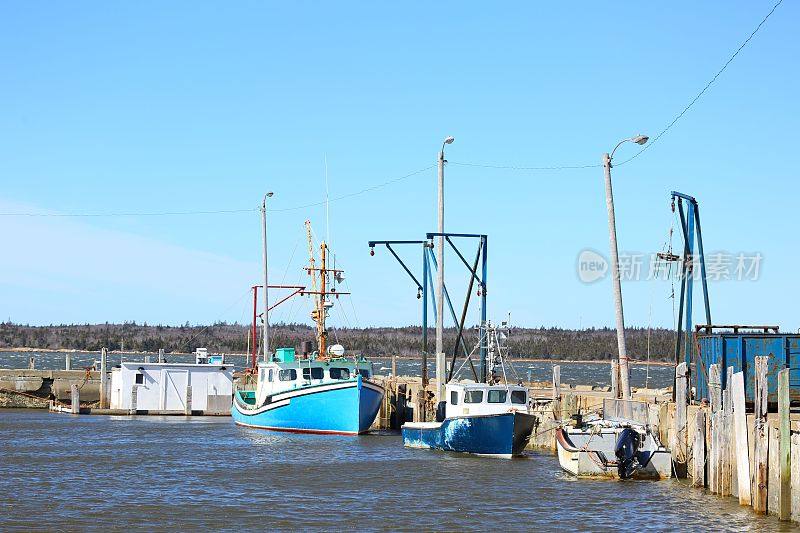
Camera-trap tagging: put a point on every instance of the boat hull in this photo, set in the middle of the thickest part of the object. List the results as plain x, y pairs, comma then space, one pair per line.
347, 408
500, 435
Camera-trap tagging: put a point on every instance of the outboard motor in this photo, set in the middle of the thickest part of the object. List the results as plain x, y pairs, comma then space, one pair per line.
625, 449
440, 411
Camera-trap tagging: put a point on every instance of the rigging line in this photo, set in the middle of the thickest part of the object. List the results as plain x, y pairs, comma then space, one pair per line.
352, 194
132, 213
218, 211
238, 300
696, 98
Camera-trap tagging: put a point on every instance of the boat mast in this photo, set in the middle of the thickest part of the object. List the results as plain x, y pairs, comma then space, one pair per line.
322, 333
266, 282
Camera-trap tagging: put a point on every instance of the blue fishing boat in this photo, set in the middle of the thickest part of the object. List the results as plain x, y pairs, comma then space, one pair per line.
490, 418
318, 392
332, 396
479, 418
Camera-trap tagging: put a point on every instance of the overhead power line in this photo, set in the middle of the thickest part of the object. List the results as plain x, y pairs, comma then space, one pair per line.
654, 139
218, 211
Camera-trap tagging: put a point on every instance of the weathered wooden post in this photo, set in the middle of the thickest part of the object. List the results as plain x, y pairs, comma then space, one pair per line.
188, 406
75, 399
785, 449
725, 440
742, 448
104, 378
557, 411
32, 363
68, 361
394, 366
161, 355
715, 400
678, 444
761, 437
134, 394
699, 450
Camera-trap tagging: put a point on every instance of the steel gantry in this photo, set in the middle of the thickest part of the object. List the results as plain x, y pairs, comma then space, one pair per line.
478, 273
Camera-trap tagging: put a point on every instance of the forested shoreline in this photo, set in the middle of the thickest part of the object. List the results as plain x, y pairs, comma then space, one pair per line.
585, 344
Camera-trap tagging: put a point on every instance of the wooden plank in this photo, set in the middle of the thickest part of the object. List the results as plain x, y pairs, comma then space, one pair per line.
725, 450
761, 438
796, 477
773, 469
742, 451
714, 388
75, 399
785, 446
699, 450
556, 382
678, 444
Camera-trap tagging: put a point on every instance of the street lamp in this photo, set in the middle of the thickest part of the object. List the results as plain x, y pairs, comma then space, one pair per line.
266, 282
615, 276
440, 358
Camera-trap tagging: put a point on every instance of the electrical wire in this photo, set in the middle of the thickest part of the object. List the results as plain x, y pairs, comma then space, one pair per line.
219, 211
654, 139
696, 98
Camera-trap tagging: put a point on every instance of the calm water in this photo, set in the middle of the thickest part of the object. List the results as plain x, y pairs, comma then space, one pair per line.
94, 472
574, 373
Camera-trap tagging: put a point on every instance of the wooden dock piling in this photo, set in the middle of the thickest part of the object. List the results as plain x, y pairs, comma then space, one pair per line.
742, 446
785, 447
75, 399
699, 451
760, 438
104, 379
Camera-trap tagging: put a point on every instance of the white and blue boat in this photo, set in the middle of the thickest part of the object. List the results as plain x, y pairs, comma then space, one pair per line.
488, 418
479, 418
321, 392
333, 396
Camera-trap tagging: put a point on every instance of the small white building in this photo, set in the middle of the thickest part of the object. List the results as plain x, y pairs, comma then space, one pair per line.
177, 387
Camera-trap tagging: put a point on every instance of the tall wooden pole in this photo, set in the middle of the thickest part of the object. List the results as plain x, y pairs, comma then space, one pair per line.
266, 278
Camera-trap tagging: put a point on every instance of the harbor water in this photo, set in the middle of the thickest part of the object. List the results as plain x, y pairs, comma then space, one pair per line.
588, 373
156, 473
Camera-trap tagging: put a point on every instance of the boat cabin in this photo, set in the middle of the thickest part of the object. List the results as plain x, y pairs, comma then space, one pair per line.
279, 376
483, 399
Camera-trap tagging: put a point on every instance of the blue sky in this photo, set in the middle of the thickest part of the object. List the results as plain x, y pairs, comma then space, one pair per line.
152, 107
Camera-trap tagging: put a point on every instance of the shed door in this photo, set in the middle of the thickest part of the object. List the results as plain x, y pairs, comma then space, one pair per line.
173, 389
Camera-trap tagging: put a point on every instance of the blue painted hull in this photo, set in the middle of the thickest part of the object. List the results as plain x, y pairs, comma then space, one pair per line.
347, 408
504, 434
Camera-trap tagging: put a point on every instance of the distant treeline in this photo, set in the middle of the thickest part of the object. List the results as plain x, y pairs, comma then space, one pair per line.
586, 344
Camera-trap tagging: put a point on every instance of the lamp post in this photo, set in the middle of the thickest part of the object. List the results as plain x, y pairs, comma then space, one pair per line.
615, 274
266, 282
440, 360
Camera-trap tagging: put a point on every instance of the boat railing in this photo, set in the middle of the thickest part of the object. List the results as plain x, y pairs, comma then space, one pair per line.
626, 411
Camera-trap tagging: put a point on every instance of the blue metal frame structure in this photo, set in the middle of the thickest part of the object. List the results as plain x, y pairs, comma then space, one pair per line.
690, 224
428, 266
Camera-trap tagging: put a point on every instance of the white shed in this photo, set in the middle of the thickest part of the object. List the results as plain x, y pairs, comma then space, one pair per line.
177, 387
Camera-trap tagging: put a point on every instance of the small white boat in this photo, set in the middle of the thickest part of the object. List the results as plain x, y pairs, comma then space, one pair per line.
623, 447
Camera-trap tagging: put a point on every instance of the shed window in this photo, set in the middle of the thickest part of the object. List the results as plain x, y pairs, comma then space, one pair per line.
313, 373
453, 397
290, 374
340, 373
271, 375
518, 396
364, 372
497, 396
473, 396
139, 378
